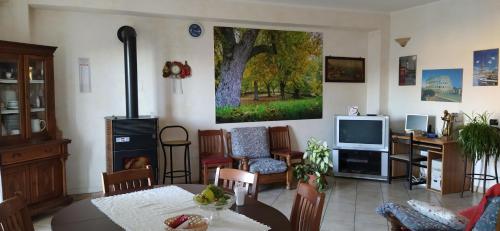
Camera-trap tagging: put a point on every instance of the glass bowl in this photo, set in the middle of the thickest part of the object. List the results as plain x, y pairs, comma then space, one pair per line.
215, 207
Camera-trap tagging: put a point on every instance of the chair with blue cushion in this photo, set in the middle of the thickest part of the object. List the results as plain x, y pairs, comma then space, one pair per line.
250, 146
402, 217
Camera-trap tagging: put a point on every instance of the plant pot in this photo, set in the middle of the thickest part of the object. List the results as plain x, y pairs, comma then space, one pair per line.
312, 180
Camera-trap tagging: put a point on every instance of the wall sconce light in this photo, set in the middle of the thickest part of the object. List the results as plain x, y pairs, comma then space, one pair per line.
403, 41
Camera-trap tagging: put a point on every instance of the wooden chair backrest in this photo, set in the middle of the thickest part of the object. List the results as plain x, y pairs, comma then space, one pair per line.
14, 215
307, 208
211, 143
279, 138
228, 177
127, 181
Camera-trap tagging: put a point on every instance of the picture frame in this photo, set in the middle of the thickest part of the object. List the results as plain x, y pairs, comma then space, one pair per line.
344, 69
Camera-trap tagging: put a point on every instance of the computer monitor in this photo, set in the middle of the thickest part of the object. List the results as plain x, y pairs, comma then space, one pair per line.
416, 122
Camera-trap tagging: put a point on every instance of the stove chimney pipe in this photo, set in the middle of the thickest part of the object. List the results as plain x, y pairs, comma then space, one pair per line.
127, 36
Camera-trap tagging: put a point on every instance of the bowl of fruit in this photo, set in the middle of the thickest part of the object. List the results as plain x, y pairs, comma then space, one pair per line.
214, 199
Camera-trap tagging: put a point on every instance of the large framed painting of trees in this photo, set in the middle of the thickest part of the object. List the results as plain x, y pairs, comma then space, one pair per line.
265, 75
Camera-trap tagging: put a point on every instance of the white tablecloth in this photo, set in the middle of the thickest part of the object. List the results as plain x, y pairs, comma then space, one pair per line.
147, 210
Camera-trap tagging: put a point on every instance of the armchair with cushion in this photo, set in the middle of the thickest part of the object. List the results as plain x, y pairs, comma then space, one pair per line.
250, 146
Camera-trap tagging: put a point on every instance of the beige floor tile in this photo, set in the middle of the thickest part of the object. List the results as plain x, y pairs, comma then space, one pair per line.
371, 227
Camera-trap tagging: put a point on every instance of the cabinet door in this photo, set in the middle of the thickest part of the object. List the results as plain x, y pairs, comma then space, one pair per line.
11, 99
15, 180
37, 96
46, 180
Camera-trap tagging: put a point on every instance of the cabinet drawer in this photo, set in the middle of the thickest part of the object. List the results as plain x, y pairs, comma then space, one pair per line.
30, 153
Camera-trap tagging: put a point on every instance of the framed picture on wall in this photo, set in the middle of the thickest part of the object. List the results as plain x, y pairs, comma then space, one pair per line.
485, 68
344, 69
443, 85
407, 70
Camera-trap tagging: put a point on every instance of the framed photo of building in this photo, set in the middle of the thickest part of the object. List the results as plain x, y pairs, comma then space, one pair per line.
485, 68
407, 70
443, 85
344, 69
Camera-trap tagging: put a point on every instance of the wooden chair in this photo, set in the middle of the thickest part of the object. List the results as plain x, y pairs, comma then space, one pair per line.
405, 141
307, 208
14, 215
211, 149
127, 181
228, 177
279, 141
244, 162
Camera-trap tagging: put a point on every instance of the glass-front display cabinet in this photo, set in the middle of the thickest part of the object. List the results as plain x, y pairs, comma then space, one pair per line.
26, 96
33, 153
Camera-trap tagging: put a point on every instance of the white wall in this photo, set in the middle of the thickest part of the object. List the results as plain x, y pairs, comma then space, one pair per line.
92, 34
14, 21
443, 35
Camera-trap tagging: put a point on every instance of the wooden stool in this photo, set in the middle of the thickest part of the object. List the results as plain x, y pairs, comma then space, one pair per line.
176, 143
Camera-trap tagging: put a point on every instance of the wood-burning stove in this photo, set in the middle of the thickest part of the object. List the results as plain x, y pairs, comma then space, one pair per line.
131, 143
131, 140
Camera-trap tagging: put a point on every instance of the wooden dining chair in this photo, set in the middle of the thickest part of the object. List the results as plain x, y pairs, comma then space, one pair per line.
211, 149
279, 143
14, 215
127, 181
228, 177
307, 208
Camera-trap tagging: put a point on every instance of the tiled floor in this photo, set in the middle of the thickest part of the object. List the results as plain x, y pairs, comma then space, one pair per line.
350, 204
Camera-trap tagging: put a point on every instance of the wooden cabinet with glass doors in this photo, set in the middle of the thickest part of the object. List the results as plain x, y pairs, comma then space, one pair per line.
32, 151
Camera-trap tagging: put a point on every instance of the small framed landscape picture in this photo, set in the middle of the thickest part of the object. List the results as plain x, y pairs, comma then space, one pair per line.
407, 70
344, 69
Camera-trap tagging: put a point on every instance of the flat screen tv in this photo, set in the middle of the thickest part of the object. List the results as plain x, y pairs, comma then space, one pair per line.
362, 133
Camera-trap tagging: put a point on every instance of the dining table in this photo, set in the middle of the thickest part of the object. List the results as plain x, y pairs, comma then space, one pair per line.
84, 215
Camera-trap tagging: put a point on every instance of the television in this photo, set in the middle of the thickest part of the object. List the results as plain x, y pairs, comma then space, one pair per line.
370, 133
415, 122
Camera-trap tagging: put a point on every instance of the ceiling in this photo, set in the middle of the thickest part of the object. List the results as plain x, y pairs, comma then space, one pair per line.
357, 5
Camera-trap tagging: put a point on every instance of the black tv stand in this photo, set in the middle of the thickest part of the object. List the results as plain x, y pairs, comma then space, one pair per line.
362, 164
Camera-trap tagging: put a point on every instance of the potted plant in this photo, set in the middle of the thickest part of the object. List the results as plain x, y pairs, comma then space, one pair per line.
317, 161
478, 139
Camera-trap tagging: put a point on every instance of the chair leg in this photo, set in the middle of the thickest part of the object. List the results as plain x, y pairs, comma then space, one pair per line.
171, 167
389, 171
465, 177
205, 175
200, 173
185, 166
189, 163
289, 178
410, 174
485, 172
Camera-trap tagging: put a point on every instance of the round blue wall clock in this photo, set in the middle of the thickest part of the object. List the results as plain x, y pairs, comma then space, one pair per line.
195, 30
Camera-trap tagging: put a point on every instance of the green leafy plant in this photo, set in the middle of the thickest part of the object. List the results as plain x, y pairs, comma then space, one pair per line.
316, 163
478, 139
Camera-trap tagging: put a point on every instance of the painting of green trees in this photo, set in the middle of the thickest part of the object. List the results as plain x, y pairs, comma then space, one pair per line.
265, 75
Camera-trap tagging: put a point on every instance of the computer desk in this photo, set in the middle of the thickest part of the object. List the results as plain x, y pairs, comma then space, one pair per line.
444, 148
